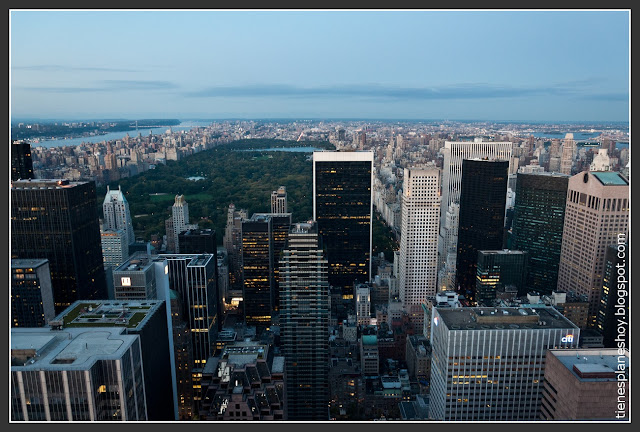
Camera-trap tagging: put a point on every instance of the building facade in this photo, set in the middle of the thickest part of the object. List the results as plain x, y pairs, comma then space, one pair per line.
488, 364
537, 225
343, 208
482, 209
279, 200
116, 213
496, 270
21, 161
304, 323
257, 270
58, 220
180, 217
596, 216
31, 293
115, 247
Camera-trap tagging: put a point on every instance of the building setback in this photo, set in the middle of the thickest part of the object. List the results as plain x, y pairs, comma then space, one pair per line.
537, 226
31, 293
76, 374
343, 208
482, 208
586, 384
596, 216
304, 323
58, 220
488, 363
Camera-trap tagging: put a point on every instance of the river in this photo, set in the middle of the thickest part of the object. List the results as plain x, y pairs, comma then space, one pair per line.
185, 125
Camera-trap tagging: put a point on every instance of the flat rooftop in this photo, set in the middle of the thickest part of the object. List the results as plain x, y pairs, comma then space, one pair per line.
595, 364
68, 349
108, 313
501, 318
27, 263
610, 178
45, 184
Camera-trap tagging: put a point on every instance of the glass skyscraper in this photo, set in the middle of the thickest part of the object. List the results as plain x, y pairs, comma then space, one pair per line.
482, 207
497, 269
343, 207
537, 226
257, 270
58, 220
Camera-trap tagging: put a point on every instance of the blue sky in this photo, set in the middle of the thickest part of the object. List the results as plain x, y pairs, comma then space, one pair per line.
481, 65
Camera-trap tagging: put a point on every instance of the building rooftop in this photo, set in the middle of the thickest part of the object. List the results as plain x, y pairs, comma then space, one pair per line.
107, 313
26, 262
45, 184
610, 178
138, 262
502, 252
593, 364
500, 318
74, 348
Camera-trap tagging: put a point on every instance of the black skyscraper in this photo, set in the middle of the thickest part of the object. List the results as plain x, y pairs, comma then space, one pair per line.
21, 161
483, 196
257, 269
342, 207
537, 226
614, 288
197, 241
58, 220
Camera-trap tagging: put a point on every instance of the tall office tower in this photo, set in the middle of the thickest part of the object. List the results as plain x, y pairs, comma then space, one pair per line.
363, 304
197, 241
537, 226
58, 220
257, 270
233, 244
31, 293
454, 153
135, 279
180, 216
183, 353
449, 249
568, 153
482, 208
193, 276
148, 320
498, 269
343, 208
597, 214
601, 161
615, 285
304, 323
279, 200
21, 161
418, 266
116, 213
280, 225
170, 246
586, 384
77, 374
115, 247
488, 364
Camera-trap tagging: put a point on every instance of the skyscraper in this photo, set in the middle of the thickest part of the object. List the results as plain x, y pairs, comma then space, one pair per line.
180, 216
568, 153
498, 269
183, 353
304, 323
418, 264
135, 279
58, 220
482, 208
257, 271
115, 247
193, 277
614, 285
448, 245
596, 216
116, 213
21, 161
343, 208
233, 244
537, 226
279, 200
488, 364
31, 293
197, 241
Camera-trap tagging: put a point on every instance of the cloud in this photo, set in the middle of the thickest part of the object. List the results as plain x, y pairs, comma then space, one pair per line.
64, 68
109, 86
459, 91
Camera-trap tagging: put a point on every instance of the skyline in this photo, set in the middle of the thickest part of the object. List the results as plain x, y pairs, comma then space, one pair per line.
538, 66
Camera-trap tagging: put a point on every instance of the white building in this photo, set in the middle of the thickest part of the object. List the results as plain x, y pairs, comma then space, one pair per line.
449, 241
180, 216
418, 264
116, 213
115, 247
363, 304
601, 161
568, 154
279, 200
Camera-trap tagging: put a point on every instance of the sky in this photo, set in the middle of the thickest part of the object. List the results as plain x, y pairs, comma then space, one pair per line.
379, 64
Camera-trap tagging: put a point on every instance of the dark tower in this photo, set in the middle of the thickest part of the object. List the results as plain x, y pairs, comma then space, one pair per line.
537, 226
257, 269
483, 196
58, 220
21, 161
